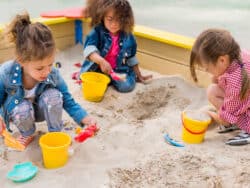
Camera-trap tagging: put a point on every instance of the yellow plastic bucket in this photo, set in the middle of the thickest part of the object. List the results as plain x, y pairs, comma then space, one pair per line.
193, 131
54, 147
94, 85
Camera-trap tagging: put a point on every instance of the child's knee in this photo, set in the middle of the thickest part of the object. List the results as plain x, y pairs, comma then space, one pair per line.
23, 111
51, 98
23, 117
125, 87
51, 103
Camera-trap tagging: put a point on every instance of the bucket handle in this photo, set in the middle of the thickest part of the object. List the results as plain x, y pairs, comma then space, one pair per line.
188, 130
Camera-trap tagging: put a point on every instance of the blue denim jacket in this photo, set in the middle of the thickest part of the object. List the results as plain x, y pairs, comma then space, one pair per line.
12, 91
99, 40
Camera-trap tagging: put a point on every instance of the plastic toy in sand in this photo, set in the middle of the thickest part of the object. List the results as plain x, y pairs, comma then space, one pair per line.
172, 141
86, 133
22, 172
195, 123
117, 76
11, 142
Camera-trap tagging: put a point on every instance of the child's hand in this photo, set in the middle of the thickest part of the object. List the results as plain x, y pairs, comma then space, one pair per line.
2, 125
88, 121
105, 67
145, 79
217, 118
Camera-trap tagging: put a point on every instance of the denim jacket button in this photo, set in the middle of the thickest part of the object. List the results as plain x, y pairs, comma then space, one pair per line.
120, 43
47, 79
14, 81
15, 74
17, 68
16, 101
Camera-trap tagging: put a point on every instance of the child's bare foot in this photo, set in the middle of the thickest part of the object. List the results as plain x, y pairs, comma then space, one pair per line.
25, 140
145, 79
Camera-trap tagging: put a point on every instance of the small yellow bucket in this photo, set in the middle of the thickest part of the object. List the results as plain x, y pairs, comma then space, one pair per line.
54, 147
193, 131
94, 85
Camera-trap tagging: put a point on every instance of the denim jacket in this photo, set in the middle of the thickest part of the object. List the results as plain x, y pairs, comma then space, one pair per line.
12, 91
99, 40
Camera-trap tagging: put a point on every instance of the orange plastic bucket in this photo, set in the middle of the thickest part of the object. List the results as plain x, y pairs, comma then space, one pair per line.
193, 131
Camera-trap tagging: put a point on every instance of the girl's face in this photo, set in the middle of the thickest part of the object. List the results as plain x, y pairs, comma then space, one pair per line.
218, 68
111, 22
38, 70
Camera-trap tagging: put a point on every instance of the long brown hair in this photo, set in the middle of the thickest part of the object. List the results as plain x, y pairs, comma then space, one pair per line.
33, 41
210, 45
96, 9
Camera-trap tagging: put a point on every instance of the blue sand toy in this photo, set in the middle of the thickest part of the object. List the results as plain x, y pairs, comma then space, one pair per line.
172, 142
22, 172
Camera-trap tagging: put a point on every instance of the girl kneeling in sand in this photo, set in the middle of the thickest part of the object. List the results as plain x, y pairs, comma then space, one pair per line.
111, 44
220, 55
31, 88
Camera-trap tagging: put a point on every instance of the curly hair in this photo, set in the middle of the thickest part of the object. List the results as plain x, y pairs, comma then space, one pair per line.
96, 10
33, 41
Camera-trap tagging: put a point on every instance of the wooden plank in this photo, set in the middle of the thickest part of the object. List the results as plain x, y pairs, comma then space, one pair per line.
63, 29
164, 37
86, 28
59, 31
163, 50
4, 43
167, 67
61, 43
64, 42
6, 54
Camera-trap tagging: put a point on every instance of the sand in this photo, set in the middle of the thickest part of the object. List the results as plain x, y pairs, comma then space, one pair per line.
197, 115
129, 150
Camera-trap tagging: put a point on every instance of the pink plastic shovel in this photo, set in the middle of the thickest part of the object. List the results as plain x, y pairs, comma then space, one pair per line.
117, 76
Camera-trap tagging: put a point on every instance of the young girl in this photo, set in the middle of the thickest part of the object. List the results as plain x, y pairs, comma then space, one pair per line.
111, 44
219, 54
31, 88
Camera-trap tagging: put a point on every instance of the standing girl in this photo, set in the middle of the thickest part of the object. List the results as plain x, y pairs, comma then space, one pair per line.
31, 88
111, 45
220, 55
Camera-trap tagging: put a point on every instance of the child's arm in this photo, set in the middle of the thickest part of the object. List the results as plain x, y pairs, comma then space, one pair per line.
104, 65
139, 76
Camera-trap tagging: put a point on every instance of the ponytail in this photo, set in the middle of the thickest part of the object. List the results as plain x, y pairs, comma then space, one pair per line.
16, 28
245, 83
33, 41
